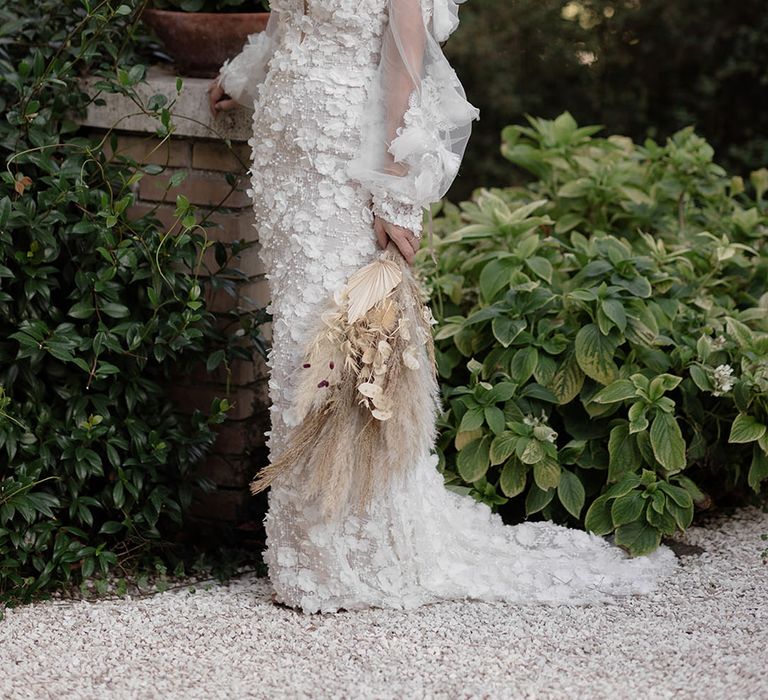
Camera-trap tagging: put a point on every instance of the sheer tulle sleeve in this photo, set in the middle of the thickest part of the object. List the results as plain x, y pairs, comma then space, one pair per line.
417, 119
241, 76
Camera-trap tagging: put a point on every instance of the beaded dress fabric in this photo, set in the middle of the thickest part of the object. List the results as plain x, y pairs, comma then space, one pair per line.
322, 86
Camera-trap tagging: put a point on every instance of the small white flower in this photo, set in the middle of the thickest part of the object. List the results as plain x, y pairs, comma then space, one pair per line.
718, 343
541, 429
545, 433
530, 419
723, 379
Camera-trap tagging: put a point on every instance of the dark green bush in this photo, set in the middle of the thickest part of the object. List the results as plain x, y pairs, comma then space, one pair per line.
212, 5
641, 68
603, 337
99, 313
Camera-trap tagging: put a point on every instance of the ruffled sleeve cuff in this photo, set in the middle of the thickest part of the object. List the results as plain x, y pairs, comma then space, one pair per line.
395, 211
241, 76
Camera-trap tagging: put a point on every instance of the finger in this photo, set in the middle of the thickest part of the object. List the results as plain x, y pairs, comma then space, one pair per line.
398, 234
381, 234
215, 93
408, 253
386, 232
225, 105
404, 246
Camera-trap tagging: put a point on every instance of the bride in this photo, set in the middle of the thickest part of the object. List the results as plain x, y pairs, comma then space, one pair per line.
359, 123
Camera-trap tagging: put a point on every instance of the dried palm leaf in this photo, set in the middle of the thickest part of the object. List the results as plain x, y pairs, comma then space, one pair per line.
369, 285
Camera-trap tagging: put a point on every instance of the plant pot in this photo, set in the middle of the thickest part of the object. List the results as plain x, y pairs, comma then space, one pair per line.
199, 42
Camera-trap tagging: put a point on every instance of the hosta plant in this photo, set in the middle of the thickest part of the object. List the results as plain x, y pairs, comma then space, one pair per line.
603, 333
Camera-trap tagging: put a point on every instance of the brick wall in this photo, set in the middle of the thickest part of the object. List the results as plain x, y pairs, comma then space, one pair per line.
208, 162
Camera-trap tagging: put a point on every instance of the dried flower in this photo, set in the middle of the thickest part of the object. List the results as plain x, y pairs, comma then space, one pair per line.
428, 317
372, 340
369, 389
410, 359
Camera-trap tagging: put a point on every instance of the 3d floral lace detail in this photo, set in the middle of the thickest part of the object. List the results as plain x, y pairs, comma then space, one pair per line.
390, 209
417, 542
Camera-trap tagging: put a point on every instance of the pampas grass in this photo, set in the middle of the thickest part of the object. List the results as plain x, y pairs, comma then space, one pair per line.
368, 395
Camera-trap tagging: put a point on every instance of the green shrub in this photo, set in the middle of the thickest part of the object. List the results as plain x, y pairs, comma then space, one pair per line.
212, 5
99, 313
641, 68
603, 332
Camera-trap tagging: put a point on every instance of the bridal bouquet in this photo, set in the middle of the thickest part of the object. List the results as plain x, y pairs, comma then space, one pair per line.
368, 393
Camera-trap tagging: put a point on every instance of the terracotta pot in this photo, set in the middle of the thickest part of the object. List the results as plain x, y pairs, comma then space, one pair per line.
199, 42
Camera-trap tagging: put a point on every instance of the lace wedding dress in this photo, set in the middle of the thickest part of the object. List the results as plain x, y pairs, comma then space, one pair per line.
356, 112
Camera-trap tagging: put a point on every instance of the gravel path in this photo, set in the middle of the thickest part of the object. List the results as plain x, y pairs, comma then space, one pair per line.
705, 635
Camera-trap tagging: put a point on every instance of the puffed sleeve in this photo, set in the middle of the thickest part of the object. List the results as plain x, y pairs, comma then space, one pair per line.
417, 120
241, 76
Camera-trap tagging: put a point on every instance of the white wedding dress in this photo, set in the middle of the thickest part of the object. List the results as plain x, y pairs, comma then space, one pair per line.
333, 84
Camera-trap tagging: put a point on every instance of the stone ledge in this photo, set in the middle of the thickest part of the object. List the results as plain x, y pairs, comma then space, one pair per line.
191, 116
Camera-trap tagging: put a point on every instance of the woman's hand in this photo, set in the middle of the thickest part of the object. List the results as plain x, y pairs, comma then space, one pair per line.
406, 241
218, 100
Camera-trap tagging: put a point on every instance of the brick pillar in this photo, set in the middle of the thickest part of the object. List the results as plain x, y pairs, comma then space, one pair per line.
207, 161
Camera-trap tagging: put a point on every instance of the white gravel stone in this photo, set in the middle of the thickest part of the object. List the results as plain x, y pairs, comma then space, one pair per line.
703, 635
